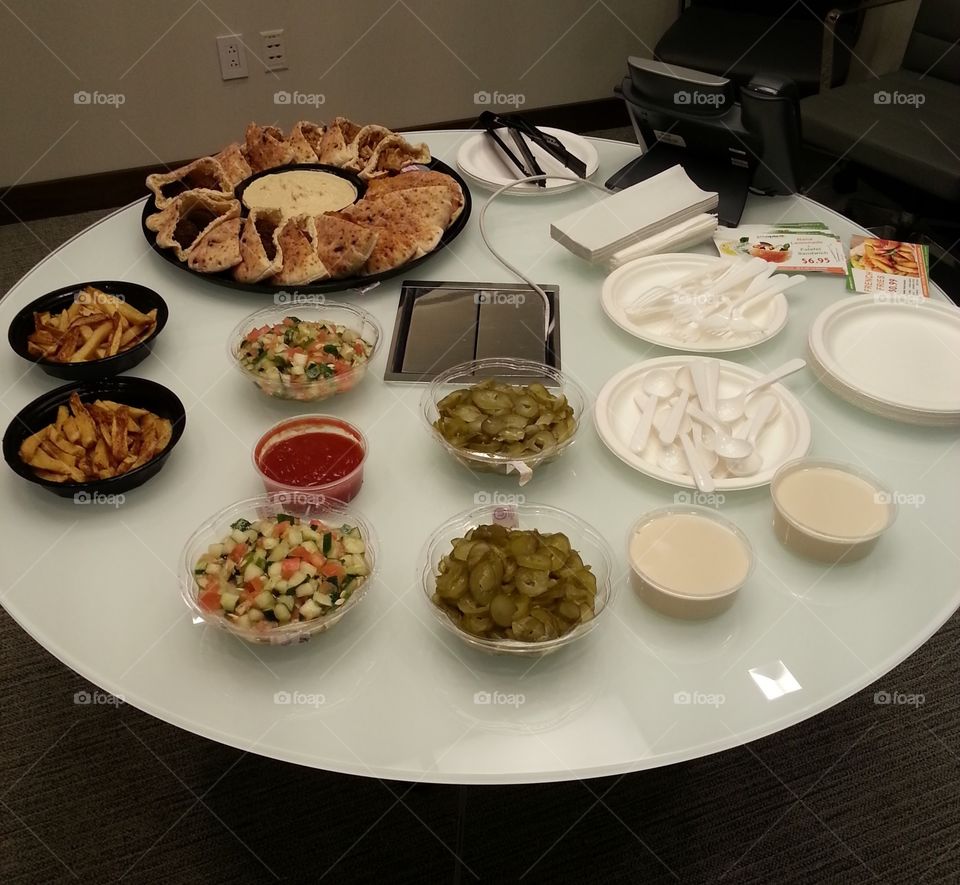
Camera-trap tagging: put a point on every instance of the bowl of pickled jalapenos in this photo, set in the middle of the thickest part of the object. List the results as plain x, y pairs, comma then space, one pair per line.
523, 579
503, 415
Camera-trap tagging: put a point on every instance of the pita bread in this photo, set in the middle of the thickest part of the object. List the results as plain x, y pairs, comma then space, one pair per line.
204, 174
182, 224
423, 207
343, 246
266, 148
337, 145
261, 255
302, 145
234, 164
393, 248
392, 154
365, 144
313, 133
417, 178
301, 263
218, 249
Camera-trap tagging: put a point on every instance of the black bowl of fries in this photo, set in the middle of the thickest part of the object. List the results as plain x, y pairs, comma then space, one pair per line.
89, 330
97, 438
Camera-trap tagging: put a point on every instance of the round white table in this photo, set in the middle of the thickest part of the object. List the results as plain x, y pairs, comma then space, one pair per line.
388, 693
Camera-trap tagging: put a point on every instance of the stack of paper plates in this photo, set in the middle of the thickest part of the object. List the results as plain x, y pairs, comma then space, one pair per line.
897, 359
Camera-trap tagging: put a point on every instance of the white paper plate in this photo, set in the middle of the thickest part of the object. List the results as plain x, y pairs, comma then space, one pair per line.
481, 162
902, 355
626, 283
616, 415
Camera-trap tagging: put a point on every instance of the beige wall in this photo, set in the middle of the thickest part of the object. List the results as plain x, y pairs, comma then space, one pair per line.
399, 62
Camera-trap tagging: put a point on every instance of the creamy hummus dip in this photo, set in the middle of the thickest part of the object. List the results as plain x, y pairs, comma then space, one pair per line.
300, 192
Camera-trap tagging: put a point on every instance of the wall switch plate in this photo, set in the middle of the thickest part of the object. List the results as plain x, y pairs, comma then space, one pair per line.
274, 50
233, 59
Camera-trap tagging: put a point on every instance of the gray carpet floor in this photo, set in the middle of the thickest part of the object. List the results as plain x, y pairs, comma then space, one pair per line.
863, 793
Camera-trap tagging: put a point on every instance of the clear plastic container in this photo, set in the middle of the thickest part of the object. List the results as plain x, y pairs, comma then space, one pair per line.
313, 309
695, 567
264, 506
343, 489
507, 371
857, 509
591, 546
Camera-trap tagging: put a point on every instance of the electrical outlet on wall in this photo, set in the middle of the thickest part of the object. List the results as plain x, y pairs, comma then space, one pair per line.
233, 59
274, 50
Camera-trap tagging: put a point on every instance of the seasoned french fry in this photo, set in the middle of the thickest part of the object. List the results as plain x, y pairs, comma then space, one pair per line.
91, 344
96, 325
98, 440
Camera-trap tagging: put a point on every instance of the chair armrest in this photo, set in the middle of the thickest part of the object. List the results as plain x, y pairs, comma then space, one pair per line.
830, 34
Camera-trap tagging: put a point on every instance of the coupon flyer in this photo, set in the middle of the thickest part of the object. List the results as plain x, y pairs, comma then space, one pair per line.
794, 246
888, 267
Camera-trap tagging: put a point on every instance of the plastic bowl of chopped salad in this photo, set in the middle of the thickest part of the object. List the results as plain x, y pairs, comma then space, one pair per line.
271, 576
309, 350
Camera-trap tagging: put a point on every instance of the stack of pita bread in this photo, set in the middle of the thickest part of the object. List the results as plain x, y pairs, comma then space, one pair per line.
402, 215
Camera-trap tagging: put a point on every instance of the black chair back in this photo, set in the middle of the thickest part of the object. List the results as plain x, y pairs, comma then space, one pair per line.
789, 9
933, 49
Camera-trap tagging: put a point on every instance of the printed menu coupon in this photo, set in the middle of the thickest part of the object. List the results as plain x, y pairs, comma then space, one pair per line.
794, 246
888, 267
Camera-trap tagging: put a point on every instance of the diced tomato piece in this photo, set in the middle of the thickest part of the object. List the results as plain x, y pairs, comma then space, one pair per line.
210, 600
255, 586
358, 346
300, 551
282, 528
238, 552
317, 560
289, 567
332, 569
341, 366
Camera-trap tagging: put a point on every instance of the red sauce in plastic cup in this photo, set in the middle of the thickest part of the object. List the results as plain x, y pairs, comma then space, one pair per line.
312, 458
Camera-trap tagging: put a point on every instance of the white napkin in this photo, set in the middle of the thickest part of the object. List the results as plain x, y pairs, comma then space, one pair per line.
633, 214
677, 238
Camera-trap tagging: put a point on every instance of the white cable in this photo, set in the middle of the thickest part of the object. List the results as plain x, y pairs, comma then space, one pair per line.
549, 323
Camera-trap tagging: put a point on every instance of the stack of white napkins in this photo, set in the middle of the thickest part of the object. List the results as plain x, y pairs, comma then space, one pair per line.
681, 236
634, 215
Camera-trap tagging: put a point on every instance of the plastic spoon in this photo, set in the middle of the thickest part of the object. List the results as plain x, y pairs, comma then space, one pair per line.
725, 445
753, 462
731, 408
671, 457
701, 476
713, 384
657, 385
684, 380
671, 426
698, 369
647, 407
755, 403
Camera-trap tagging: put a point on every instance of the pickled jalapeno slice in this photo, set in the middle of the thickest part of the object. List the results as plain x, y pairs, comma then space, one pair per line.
513, 420
501, 583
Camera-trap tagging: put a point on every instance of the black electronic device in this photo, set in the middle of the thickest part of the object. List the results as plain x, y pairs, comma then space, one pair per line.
728, 140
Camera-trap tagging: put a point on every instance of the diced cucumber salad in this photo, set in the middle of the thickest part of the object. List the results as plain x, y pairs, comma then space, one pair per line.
280, 570
302, 358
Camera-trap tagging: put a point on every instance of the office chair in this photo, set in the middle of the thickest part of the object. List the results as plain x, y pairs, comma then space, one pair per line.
784, 38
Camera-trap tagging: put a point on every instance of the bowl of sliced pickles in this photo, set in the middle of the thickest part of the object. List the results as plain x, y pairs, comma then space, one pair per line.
502, 415
524, 579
